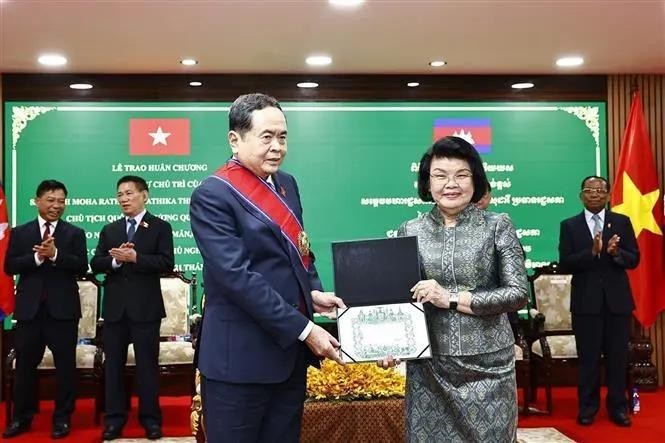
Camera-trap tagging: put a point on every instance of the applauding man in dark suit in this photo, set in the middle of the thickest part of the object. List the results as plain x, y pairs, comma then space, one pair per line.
597, 246
48, 254
133, 252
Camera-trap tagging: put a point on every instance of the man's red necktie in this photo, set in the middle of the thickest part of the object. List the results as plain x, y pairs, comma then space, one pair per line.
47, 231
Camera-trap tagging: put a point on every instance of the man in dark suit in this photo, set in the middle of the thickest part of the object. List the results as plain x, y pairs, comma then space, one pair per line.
47, 254
133, 252
597, 246
261, 285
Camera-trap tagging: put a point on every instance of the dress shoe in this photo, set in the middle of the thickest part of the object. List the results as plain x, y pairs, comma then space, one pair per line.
620, 419
16, 428
111, 432
60, 430
585, 420
153, 432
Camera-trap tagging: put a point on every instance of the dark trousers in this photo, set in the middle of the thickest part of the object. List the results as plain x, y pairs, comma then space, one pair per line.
252, 412
30, 340
145, 337
607, 334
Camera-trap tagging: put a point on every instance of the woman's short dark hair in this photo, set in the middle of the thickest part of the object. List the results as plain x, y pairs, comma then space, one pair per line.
452, 147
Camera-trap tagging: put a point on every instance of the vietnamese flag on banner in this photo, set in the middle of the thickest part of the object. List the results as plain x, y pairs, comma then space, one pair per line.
6, 281
159, 136
636, 195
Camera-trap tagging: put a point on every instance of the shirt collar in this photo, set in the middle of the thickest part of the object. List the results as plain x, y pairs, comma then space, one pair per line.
588, 215
43, 221
138, 217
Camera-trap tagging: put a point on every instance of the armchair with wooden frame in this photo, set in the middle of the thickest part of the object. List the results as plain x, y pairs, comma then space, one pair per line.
88, 350
522, 367
553, 351
176, 352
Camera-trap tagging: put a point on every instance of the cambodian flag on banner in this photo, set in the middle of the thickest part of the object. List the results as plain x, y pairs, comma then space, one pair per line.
476, 131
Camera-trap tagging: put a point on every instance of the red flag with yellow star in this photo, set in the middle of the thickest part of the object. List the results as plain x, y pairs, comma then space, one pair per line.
636, 195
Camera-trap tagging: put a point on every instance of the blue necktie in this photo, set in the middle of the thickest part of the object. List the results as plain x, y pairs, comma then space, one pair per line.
132, 229
597, 225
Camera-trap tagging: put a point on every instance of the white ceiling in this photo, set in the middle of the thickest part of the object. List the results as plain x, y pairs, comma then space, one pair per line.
379, 37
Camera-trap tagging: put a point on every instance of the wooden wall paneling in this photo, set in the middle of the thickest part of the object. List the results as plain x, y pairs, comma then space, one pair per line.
225, 87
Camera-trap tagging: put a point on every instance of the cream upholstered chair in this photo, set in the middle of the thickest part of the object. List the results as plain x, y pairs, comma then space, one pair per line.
176, 353
88, 349
554, 349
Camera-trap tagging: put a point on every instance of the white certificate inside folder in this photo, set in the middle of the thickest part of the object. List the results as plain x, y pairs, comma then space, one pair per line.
369, 333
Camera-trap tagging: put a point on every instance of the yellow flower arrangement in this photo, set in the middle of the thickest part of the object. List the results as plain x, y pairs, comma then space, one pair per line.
361, 381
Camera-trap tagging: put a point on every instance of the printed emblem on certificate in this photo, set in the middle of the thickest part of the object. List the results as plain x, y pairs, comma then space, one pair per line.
369, 333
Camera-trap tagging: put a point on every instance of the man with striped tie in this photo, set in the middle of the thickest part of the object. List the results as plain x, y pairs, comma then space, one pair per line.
133, 252
596, 247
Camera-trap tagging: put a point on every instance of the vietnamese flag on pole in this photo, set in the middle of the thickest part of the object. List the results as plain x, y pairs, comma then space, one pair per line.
6, 281
159, 136
636, 195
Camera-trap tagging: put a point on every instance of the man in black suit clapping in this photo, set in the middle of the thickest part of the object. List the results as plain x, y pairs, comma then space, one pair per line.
47, 253
597, 246
133, 252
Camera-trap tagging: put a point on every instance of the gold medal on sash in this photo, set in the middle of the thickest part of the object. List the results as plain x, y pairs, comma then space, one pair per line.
303, 243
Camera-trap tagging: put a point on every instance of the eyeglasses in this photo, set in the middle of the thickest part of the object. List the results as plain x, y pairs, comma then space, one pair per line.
462, 177
597, 191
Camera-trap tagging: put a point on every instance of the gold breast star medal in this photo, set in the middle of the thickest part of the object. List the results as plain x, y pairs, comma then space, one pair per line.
303, 244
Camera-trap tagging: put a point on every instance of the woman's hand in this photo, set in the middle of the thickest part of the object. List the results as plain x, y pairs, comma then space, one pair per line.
430, 291
388, 362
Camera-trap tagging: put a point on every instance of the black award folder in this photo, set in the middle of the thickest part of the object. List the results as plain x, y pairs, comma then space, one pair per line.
375, 272
374, 278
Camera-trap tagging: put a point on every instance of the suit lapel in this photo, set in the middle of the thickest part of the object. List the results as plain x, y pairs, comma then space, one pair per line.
279, 188
60, 229
607, 226
120, 231
141, 228
36, 232
582, 228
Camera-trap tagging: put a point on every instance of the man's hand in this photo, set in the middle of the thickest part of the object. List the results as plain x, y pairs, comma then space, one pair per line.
45, 249
597, 244
124, 254
326, 302
323, 344
613, 245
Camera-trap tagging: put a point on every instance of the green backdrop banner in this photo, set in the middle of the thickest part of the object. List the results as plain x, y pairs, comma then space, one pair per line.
355, 163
